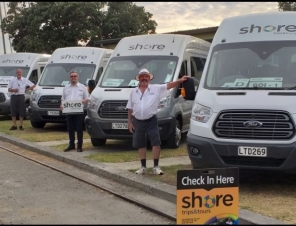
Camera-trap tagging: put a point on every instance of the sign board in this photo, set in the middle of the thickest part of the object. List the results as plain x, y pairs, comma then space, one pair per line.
208, 196
72, 106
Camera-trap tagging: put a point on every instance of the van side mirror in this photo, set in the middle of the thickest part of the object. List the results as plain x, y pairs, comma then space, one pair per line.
188, 90
91, 85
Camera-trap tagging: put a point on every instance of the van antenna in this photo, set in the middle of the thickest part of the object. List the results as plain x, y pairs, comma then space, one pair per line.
175, 33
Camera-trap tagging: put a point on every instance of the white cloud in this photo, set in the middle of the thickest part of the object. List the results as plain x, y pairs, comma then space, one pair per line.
177, 16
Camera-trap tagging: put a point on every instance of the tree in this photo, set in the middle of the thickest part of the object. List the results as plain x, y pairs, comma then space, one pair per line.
126, 19
45, 26
287, 6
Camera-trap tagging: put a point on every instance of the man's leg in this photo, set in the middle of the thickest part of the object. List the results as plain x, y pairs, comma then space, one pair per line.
139, 142
21, 109
79, 130
153, 134
13, 106
71, 130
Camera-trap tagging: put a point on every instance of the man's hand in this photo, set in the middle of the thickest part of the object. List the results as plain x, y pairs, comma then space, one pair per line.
184, 78
131, 127
61, 107
84, 101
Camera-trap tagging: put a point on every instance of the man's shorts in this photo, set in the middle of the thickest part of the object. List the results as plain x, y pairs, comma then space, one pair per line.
17, 105
143, 128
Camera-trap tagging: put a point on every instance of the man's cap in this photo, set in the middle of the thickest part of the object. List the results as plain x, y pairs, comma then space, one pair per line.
144, 71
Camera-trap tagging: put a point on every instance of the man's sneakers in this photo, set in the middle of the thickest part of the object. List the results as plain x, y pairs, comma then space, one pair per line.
143, 170
157, 170
13, 128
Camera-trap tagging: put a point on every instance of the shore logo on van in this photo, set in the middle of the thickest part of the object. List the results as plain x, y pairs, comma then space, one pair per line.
12, 61
73, 57
153, 47
268, 28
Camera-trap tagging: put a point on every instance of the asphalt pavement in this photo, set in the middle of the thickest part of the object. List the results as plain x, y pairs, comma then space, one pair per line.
119, 173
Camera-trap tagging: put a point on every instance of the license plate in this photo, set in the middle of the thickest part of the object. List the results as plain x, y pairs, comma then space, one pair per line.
53, 113
119, 126
252, 151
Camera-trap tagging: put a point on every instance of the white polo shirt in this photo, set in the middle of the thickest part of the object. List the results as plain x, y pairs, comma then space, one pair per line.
77, 92
19, 84
145, 105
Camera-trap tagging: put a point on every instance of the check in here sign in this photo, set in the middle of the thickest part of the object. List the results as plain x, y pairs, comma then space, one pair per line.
72, 106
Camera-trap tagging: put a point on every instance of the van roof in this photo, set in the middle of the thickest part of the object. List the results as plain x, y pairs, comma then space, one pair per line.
84, 55
155, 44
270, 26
22, 59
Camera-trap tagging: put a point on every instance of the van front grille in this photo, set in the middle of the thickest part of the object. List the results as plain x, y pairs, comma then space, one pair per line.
274, 125
52, 101
113, 109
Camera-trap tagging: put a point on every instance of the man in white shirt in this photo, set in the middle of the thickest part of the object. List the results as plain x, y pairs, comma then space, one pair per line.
75, 91
18, 87
142, 107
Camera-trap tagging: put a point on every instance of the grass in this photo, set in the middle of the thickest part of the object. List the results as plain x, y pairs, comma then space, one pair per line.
267, 193
112, 153
51, 131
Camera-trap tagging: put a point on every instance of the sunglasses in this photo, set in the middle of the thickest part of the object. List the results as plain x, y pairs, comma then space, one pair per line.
73, 76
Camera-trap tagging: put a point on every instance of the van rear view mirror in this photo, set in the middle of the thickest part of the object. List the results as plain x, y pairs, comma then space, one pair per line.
91, 85
188, 90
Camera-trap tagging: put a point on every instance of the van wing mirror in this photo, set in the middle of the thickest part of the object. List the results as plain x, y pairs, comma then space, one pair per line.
188, 89
91, 85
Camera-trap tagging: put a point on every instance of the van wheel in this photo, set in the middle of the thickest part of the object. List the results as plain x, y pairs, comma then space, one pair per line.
98, 142
37, 124
27, 115
175, 137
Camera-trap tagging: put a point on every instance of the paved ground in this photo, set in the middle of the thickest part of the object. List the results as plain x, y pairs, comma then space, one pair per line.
115, 171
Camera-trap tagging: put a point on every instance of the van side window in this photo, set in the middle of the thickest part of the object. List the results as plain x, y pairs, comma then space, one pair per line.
100, 71
197, 65
41, 69
183, 70
34, 76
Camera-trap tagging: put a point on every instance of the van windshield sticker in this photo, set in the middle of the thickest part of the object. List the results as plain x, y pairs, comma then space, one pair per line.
133, 82
168, 78
112, 82
255, 82
64, 83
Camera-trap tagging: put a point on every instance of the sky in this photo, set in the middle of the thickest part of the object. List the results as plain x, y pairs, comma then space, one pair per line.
179, 16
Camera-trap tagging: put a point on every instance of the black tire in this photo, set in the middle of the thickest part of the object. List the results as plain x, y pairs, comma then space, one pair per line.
195, 167
38, 124
176, 136
98, 142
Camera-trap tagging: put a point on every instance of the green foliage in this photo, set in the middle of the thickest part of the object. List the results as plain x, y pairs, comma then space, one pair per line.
287, 6
42, 27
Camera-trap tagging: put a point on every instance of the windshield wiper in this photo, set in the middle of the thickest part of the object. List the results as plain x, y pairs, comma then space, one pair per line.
290, 88
254, 88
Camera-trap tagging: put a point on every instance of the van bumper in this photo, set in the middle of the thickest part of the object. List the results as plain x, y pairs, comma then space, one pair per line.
103, 129
4, 108
280, 157
38, 115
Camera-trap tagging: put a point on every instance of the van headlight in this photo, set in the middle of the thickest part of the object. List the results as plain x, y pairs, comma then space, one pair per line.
93, 103
200, 113
164, 102
34, 97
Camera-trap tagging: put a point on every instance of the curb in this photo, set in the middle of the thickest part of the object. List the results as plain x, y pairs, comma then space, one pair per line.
155, 188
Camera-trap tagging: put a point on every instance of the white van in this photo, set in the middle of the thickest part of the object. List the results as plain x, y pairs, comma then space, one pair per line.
88, 62
245, 110
31, 64
168, 57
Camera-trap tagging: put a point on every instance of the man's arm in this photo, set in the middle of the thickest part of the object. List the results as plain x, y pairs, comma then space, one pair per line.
178, 82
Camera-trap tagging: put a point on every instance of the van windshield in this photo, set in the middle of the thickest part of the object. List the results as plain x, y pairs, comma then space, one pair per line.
11, 71
252, 65
58, 74
122, 71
